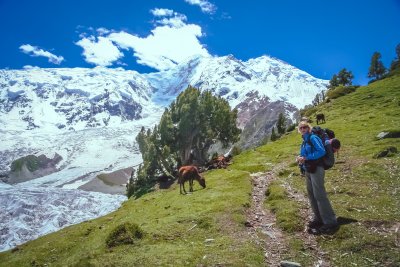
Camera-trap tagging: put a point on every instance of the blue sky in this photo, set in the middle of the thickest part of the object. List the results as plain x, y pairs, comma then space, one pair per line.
317, 36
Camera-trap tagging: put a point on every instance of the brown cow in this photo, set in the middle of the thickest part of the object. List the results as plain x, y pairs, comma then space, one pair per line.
189, 173
320, 117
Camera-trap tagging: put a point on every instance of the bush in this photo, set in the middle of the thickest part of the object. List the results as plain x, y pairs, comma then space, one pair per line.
31, 161
126, 233
291, 127
308, 111
341, 91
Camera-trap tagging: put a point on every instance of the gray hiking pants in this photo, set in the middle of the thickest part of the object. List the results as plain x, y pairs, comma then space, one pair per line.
319, 201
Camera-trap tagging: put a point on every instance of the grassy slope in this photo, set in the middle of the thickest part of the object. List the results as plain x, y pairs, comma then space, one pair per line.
359, 186
166, 217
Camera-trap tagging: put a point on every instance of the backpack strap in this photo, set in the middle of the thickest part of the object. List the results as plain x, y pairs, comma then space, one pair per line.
309, 141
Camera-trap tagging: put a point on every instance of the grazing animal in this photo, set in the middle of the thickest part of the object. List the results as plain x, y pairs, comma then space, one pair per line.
189, 173
320, 118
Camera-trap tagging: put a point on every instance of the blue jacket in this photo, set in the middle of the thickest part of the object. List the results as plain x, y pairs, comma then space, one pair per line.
312, 152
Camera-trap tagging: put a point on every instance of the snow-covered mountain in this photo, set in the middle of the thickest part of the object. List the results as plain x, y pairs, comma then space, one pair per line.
259, 88
235, 80
80, 122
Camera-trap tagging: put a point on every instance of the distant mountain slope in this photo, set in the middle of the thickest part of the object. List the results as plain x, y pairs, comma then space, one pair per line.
74, 99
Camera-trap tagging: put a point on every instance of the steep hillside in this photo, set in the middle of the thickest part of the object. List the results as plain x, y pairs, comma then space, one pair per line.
210, 226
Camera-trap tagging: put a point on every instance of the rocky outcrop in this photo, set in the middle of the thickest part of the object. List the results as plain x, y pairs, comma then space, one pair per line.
31, 167
257, 115
110, 183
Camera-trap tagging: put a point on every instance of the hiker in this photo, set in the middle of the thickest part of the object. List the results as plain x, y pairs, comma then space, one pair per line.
311, 152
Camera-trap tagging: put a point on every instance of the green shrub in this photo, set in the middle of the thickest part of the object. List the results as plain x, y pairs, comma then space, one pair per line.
204, 223
275, 191
126, 233
291, 127
341, 91
308, 111
31, 161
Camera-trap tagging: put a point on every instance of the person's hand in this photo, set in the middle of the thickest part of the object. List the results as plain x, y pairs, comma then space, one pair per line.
300, 159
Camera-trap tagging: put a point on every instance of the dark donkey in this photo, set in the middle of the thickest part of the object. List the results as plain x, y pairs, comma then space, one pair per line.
320, 118
189, 173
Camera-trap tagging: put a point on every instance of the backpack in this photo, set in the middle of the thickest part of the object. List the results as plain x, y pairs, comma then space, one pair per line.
330, 143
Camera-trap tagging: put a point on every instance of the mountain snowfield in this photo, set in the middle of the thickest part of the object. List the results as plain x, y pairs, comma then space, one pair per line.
90, 117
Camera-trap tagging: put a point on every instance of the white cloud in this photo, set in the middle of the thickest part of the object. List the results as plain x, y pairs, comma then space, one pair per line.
35, 51
102, 31
100, 51
168, 44
177, 21
161, 12
30, 67
205, 6
164, 47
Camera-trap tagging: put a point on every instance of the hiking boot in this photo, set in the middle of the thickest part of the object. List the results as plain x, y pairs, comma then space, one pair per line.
314, 224
326, 229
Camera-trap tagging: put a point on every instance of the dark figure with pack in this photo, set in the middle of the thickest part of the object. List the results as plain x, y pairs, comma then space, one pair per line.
316, 155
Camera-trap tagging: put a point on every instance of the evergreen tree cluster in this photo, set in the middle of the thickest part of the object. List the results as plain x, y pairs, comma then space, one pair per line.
186, 131
281, 127
344, 78
378, 71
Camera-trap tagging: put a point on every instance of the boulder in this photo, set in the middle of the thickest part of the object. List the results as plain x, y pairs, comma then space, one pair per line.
289, 264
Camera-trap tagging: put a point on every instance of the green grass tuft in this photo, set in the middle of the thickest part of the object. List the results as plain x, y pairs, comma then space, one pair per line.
285, 209
126, 233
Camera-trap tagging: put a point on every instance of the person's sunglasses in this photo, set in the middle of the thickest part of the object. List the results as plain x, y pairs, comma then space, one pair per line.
303, 127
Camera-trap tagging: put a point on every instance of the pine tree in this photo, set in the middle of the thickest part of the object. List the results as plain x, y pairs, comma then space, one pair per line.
130, 186
334, 82
376, 69
190, 125
274, 136
345, 77
281, 124
396, 62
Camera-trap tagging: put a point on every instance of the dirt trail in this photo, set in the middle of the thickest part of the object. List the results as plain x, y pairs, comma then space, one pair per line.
263, 229
262, 223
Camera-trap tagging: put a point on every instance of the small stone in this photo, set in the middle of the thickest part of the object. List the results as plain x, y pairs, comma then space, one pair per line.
269, 233
248, 224
290, 264
382, 135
